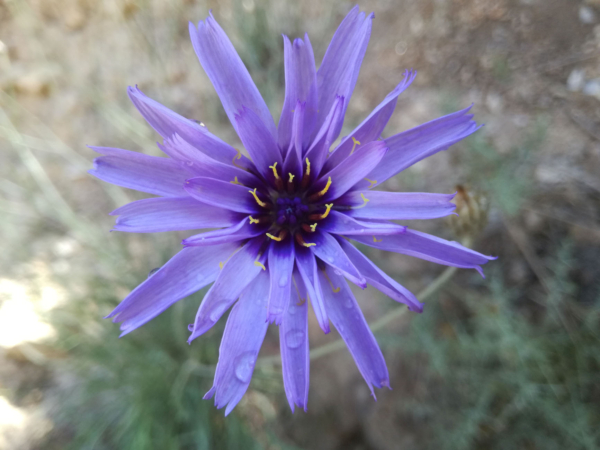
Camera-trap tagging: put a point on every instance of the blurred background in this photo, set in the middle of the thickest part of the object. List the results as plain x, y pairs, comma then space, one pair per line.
510, 362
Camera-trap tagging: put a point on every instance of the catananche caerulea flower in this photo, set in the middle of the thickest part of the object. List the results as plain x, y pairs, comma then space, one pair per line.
285, 215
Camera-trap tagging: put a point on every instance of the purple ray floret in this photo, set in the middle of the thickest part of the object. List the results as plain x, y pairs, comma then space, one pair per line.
280, 220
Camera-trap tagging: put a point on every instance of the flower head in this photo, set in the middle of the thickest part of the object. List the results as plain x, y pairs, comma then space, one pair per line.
285, 214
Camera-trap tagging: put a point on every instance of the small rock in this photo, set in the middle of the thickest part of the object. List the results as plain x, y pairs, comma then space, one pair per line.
576, 80
33, 84
592, 88
586, 15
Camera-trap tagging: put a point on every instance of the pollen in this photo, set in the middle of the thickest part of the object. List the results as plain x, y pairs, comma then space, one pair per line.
258, 200
313, 227
373, 183
354, 144
291, 177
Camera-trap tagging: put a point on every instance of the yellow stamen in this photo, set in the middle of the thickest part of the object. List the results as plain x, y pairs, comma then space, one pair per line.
309, 244
235, 181
355, 143
322, 192
221, 265
253, 220
322, 216
365, 201
259, 264
291, 177
275, 238
258, 200
376, 240
273, 167
373, 183
302, 300
307, 173
334, 289
313, 227
238, 156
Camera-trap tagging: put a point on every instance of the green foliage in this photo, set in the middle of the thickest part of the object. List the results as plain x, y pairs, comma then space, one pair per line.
498, 379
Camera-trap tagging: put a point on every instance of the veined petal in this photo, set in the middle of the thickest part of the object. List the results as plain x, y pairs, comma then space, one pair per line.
187, 272
430, 248
309, 286
244, 334
293, 159
293, 342
228, 74
300, 86
242, 230
152, 215
237, 273
201, 164
222, 194
351, 170
371, 128
379, 279
281, 265
151, 174
259, 142
348, 319
339, 223
397, 205
329, 251
339, 70
167, 123
410, 147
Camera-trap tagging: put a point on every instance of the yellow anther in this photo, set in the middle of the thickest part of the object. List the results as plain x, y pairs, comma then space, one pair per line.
259, 264
221, 265
307, 173
238, 156
253, 220
301, 302
275, 238
235, 181
291, 177
313, 227
323, 191
354, 144
326, 213
309, 244
376, 240
334, 289
258, 200
373, 183
273, 167
365, 201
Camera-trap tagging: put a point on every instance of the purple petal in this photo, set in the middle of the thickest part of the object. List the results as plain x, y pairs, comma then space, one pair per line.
300, 86
351, 170
379, 279
397, 205
151, 174
309, 286
293, 341
152, 215
348, 319
281, 264
242, 339
238, 232
341, 64
293, 159
430, 248
222, 194
319, 148
259, 142
410, 147
227, 73
167, 123
371, 128
237, 273
187, 272
202, 165
329, 251
340, 223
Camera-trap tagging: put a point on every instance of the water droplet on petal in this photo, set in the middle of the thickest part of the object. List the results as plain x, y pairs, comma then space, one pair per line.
292, 308
153, 271
283, 281
244, 366
294, 338
348, 303
218, 310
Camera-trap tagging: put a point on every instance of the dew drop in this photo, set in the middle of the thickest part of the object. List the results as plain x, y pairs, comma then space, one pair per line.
153, 271
244, 366
218, 311
294, 338
292, 308
348, 303
283, 281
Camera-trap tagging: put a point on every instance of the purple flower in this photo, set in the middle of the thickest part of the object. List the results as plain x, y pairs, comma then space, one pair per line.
285, 214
